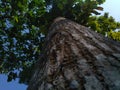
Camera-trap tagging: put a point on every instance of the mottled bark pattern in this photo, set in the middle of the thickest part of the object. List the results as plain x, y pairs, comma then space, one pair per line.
77, 58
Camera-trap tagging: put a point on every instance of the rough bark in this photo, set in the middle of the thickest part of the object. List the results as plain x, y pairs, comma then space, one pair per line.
77, 58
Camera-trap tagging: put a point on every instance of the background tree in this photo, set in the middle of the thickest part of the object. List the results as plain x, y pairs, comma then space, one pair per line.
25, 23
105, 25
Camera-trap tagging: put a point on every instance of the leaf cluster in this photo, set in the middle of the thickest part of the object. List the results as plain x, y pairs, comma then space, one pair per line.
105, 25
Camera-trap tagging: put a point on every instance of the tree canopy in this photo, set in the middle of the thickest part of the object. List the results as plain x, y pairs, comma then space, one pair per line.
104, 24
24, 25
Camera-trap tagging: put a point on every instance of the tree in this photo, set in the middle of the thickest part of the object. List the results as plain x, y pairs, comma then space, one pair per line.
77, 58
25, 23
103, 24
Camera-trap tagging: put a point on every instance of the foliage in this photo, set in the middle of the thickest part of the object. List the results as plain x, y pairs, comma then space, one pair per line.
114, 35
77, 10
24, 24
105, 25
19, 36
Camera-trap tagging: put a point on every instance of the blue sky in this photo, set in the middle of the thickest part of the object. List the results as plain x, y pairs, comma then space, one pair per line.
111, 6
4, 85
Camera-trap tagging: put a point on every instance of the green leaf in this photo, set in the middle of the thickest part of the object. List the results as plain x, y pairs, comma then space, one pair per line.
60, 6
16, 18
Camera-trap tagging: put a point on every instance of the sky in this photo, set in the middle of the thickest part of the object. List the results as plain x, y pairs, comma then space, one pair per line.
110, 6
4, 85
113, 7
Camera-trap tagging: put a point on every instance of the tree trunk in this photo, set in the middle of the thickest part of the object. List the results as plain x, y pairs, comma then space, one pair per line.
77, 58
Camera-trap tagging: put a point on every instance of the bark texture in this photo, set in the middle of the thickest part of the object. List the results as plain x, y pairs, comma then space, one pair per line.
77, 58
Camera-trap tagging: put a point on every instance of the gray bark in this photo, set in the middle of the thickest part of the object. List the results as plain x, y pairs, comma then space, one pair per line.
77, 58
